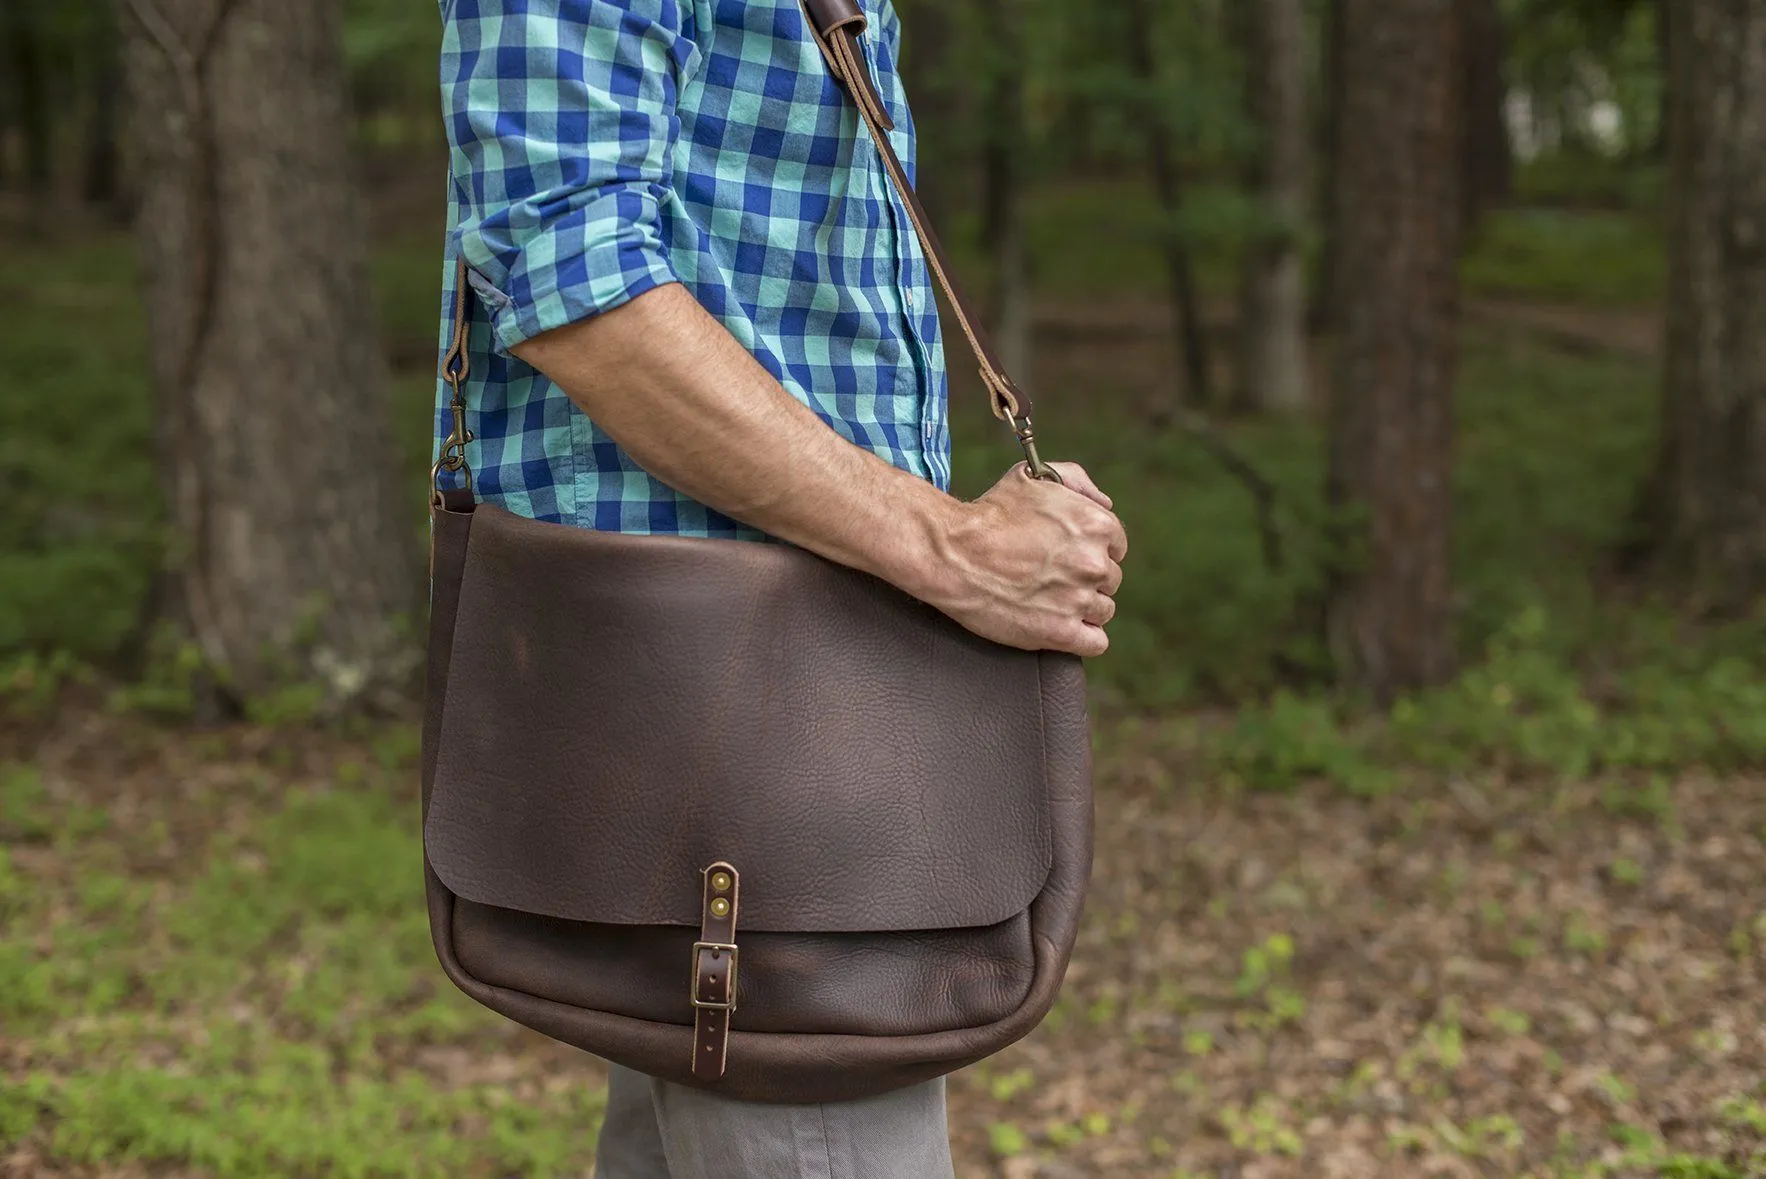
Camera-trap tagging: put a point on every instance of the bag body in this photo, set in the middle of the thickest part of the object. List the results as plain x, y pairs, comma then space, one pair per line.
908, 805
733, 815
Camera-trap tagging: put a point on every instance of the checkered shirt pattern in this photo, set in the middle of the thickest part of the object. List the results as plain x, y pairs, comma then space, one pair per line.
600, 148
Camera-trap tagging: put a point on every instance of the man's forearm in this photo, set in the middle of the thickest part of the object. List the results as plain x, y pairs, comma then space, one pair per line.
696, 410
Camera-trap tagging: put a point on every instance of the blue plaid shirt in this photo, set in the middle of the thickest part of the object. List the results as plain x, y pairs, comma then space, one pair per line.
604, 147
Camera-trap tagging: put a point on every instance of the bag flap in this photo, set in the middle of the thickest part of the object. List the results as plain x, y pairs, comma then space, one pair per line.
622, 711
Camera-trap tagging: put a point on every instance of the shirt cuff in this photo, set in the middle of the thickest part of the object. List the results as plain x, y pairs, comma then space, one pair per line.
591, 259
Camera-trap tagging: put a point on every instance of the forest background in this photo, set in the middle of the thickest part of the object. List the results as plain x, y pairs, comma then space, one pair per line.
1422, 344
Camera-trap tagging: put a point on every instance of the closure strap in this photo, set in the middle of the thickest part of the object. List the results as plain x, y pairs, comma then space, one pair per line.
714, 971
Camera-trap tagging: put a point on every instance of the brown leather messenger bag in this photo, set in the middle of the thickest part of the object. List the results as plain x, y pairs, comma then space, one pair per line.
733, 815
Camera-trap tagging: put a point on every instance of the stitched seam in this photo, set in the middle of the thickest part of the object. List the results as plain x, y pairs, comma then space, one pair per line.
827, 1143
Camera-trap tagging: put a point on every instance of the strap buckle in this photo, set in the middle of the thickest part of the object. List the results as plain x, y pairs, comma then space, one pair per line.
1035, 467
699, 977
453, 451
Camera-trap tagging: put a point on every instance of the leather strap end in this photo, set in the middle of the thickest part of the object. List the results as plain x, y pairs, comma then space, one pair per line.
457, 363
1009, 401
715, 958
827, 15
453, 499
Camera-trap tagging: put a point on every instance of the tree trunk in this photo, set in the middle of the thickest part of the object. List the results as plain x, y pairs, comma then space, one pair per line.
102, 185
1324, 290
1185, 298
1389, 611
1710, 509
1003, 183
926, 33
1273, 371
25, 63
295, 561
1489, 156
1658, 149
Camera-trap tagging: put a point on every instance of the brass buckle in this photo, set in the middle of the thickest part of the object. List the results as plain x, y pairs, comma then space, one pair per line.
453, 450
1034, 466
716, 948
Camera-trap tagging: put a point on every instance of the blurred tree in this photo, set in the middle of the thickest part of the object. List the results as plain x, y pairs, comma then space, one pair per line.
1389, 611
24, 37
1324, 291
1155, 93
1273, 368
1489, 166
1708, 501
927, 33
293, 560
1004, 177
102, 183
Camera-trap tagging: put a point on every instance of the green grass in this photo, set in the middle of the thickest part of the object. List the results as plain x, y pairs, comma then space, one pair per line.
76, 460
233, 1013
1599, 259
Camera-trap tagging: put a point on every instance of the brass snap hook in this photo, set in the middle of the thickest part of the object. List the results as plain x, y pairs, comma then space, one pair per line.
1034, 466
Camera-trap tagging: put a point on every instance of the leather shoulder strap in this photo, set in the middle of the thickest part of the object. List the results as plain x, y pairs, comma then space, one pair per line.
839, 27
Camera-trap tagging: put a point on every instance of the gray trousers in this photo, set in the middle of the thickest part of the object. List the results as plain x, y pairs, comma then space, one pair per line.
657, 1130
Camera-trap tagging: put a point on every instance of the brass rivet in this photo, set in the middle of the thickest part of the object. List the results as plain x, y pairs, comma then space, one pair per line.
720, 882
720, 908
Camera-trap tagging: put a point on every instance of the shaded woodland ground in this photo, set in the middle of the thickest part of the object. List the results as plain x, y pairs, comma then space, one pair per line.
219, 965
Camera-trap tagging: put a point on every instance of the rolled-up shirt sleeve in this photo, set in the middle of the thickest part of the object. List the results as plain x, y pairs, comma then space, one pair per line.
562, 126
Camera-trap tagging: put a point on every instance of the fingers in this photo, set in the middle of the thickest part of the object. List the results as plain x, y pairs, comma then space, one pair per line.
1115, 535
1112, 580
1088, 642
1118, 540
1100, 610
1074, 476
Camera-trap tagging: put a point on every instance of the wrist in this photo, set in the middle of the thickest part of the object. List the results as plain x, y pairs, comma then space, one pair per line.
920, 560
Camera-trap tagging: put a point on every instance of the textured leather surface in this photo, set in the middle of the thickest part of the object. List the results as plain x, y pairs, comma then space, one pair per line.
840, 984
624, 710
823, 1017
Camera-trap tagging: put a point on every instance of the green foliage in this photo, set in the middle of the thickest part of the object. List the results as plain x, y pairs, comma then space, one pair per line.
1262, 1128
1526, 708
1007, 1139
1295, 739
167, 685
286, 1114
82, 542
386, 35
1573, 181
1596, 259
232, 1018
88, 537
1566, 56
